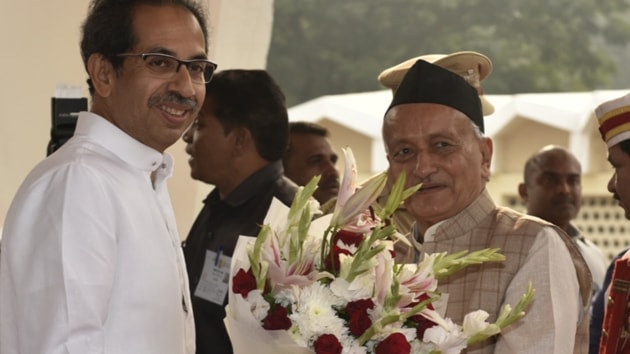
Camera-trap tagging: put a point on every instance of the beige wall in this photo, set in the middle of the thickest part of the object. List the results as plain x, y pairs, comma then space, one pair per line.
40, 50
342, 137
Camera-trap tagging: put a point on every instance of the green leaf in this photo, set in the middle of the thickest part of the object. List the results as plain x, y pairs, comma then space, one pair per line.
448, 264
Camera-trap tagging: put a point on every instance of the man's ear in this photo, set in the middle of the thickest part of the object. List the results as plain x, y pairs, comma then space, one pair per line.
102, 74
486, 156
522, 191
241, 139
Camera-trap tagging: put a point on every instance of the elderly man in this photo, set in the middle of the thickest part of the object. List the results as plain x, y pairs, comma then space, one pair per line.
474, 67
433, 132
614, 125
552, 191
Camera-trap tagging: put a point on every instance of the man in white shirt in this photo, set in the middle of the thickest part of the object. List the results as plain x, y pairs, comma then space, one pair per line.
91, 259
552, 191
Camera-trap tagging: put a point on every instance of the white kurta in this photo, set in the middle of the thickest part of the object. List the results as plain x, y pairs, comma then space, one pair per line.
91, 259
593, 256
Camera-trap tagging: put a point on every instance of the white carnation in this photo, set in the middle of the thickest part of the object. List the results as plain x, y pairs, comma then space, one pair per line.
287, 296
351, 346
315, 315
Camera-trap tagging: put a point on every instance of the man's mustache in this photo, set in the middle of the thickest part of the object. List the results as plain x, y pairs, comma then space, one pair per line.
173, 97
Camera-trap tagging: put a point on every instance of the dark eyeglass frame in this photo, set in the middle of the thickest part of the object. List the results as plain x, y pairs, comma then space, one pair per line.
207, 77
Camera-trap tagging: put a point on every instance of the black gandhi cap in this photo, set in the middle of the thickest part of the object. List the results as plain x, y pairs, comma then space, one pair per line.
428, 83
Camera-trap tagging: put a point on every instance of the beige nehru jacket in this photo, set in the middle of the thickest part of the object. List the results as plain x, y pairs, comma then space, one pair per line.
557, 320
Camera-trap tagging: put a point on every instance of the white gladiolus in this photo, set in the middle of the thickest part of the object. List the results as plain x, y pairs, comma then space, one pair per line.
448, 339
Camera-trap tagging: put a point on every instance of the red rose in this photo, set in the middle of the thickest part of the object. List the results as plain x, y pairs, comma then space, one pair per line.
396, 343
327, 344
422, 324
422, 298
359, 323
349, 237
418, 321
358, 319
277, 318
359, 306
332, 261
243, 282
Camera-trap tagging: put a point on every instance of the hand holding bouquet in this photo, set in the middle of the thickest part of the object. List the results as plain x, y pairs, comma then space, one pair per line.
330, 285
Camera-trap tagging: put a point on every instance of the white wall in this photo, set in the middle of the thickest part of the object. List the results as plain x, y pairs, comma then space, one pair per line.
40, 49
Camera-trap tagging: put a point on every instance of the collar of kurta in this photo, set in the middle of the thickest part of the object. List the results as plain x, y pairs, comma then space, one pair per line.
465, 220
104, 133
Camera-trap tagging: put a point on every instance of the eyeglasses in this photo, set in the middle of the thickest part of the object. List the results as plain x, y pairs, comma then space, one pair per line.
165, 66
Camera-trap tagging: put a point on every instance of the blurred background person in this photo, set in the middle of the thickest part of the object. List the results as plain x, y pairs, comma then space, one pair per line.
236, 144
552, 190
310, 153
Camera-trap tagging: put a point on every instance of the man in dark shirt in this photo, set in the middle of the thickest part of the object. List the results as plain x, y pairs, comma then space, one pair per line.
310, 153
236, 144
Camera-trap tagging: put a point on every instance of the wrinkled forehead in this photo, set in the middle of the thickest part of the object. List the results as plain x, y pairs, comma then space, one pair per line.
424, 116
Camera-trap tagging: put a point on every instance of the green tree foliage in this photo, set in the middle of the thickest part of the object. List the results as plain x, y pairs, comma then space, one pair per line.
335, 46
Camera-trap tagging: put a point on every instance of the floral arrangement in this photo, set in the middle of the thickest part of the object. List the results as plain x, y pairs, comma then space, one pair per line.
329, 284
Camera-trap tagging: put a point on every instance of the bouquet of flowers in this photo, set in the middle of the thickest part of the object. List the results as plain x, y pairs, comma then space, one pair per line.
329, 284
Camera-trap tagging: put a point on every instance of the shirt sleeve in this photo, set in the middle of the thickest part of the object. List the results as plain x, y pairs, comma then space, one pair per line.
551, 321
61, 249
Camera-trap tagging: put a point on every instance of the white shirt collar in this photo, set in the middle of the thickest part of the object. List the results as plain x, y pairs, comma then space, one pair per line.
128, 149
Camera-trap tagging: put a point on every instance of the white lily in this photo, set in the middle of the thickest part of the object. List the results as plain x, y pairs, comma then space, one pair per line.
351, 203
